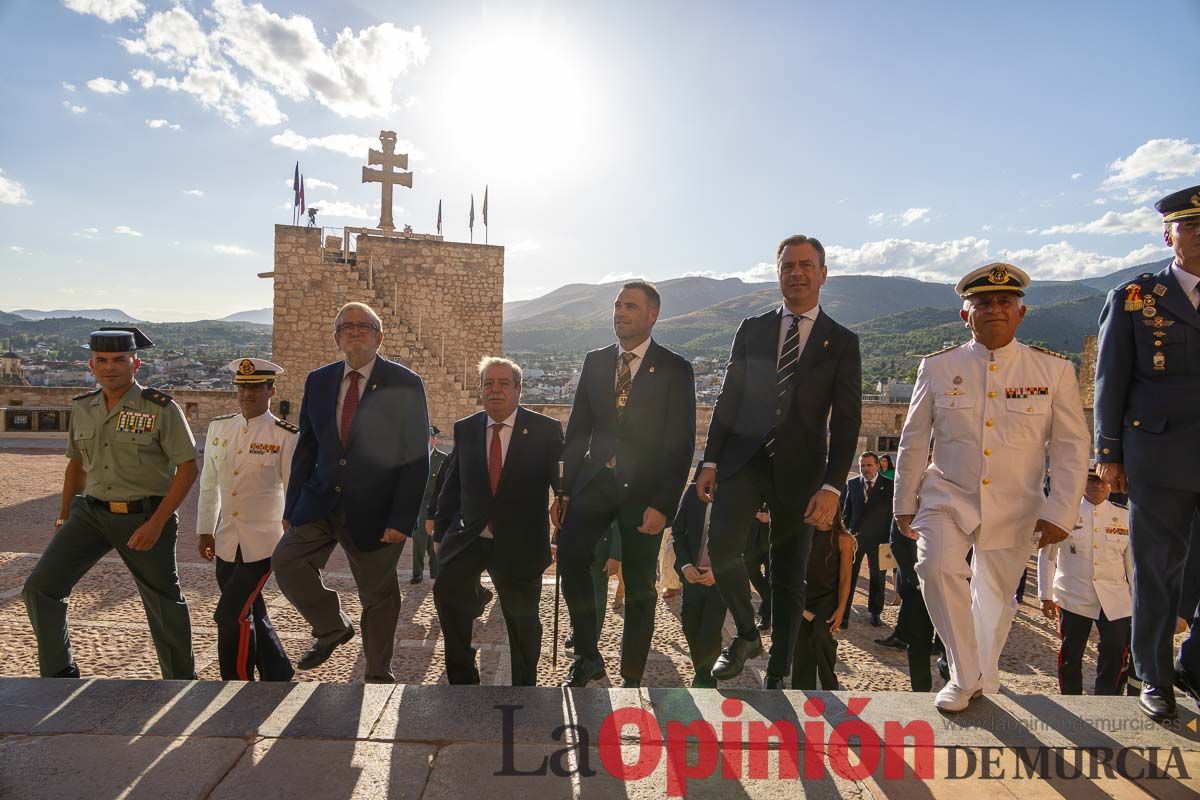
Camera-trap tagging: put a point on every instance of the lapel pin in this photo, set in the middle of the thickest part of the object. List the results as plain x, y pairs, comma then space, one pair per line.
524, 431
826, 343
373, 385
652, 369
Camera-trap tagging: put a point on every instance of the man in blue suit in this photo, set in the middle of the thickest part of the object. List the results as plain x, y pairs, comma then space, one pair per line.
492, 515
867, 513
1147, 426
358, 477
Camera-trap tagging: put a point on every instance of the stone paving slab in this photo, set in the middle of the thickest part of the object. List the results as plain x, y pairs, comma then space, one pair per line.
306, 768
38, 706
91, 766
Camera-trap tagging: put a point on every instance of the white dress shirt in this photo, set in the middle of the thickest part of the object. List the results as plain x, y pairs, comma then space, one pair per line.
505, 437
635, 364
365, 372
804, 328
1091, 570
247, 464
1187, 282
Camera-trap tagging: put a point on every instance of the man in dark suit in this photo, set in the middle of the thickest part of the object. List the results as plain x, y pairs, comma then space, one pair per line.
784, 430
492, 516
358, 475
628, 447
867, 513
1147, 425
422, 544
702, 614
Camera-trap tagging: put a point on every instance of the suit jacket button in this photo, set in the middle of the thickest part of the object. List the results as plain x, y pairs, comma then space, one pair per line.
337, 488
778, 412
1107, 451
342, 463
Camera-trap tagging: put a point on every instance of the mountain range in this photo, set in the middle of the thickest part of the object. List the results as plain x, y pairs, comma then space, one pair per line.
259, 316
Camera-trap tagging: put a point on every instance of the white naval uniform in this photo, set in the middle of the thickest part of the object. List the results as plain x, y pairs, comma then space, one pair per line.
1093, 569
994, 419
244, 483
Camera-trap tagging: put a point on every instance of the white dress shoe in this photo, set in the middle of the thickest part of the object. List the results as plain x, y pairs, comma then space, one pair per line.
954, 698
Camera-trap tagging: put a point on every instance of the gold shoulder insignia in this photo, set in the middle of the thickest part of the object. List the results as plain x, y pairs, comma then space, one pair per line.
939, 352
287, 426
157, 397
97, 390
224, 416
1049, 352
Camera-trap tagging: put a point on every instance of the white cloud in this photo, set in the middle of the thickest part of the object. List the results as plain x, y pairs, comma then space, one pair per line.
107, 86
70, 87
1139, 220
904, 218
312, 183
1076, 176
249, 55
1157, 159
107, 10
194, 192
613, 277
12, 193
348, 144
338, 208
232, 250
985, 227
1061, 261
526, 246
74, 109
125, 230
162, 123
87, 233
16, 248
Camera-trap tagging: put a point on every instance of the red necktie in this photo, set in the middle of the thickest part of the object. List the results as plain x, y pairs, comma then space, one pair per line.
349, 405
495, 457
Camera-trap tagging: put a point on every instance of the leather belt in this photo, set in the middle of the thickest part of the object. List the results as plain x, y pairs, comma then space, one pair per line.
145, 505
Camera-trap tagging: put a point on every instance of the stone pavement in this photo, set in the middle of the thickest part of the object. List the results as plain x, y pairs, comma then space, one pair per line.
180, 739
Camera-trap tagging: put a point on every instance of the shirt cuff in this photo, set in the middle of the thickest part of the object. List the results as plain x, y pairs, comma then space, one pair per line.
708, 465
833, 489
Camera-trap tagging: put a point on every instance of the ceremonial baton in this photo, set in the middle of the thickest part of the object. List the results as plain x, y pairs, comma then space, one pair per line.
557, 576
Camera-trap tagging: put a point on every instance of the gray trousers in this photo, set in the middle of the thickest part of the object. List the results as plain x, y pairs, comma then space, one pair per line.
298, 560
89, 533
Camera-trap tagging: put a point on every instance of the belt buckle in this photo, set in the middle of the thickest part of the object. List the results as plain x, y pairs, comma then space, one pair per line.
118, 507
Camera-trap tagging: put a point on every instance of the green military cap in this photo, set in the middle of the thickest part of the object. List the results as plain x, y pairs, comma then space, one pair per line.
118, 340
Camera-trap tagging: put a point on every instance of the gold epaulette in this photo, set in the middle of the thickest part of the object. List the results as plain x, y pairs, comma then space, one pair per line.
97, 390
943, 350
224, 416
1049, 352
287, 426
157, 397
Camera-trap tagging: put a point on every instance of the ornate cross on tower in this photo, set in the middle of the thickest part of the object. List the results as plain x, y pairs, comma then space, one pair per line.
388, 159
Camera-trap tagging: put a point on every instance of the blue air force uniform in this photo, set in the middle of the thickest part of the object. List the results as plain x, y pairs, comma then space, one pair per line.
1148, 419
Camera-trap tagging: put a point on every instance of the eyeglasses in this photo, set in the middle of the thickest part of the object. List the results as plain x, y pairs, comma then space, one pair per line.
361, 327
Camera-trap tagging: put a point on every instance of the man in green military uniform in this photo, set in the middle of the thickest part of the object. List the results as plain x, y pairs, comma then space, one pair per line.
423, 534
131, 461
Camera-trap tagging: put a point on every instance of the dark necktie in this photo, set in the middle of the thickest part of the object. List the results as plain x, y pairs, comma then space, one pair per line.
867, 494
784, 373
624, 381
495, 457
349, 405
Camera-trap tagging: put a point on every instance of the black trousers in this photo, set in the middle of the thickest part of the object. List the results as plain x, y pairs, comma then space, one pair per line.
913, 625
868, 549
816, 651
246, 639
758, 565
736, 500
1112, 660
589, 514
456, 597
422, 546
702, 615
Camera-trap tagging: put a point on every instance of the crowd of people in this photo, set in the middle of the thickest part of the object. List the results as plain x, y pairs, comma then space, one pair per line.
995, 461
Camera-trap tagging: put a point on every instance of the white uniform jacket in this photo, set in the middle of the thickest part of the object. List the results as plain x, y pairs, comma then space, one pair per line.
244, 483
994, 420
1093, 569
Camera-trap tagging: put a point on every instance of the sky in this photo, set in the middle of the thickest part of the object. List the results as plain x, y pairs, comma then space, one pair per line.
147, 146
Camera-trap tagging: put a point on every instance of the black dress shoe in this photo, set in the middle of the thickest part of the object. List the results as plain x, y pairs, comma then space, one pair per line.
69, 671
583, 671
416, 578
891, 640
378, 679
733, 658
771, 682
1189, 685
631, 683
1157, 703
876, 621
569, 644
943, 668
319, 653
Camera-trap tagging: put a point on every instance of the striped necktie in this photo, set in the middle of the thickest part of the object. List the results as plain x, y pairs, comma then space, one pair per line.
784, 374
624, 381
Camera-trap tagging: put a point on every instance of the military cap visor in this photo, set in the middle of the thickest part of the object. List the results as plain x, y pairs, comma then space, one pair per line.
118, 340
996, 277
1180, 205
253, 370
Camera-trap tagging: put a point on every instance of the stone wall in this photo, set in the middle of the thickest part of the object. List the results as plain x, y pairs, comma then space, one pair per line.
198, 406
1087, 373
441, 305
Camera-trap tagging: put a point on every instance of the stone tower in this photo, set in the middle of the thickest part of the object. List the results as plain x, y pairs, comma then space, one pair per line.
441, 304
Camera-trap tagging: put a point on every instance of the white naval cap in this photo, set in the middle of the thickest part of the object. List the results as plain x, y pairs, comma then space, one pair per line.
997, 277
253, 370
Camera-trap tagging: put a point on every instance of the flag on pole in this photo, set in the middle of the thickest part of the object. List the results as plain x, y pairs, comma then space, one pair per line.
301, 194
295, 192
439, 225
485, 194
471, 219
